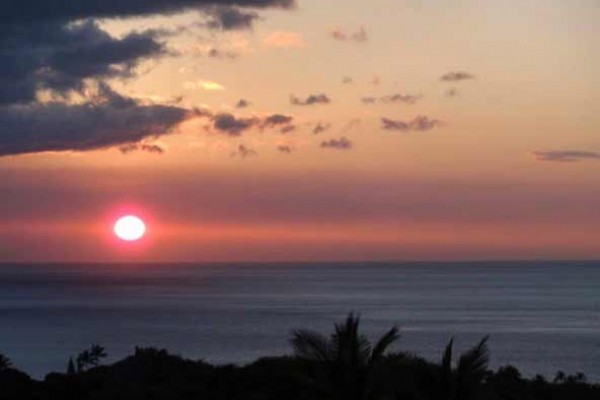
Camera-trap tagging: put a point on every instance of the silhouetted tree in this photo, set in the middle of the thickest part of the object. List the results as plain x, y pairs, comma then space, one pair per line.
462, 382
346, 360
70, 367
5, 362
90, 358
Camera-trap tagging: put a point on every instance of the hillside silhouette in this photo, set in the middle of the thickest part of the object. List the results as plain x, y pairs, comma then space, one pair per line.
343, 365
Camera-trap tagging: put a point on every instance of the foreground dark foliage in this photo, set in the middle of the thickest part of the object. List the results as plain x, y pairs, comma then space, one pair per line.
344, 365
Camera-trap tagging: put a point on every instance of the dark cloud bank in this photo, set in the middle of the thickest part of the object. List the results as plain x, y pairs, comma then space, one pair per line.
55, 47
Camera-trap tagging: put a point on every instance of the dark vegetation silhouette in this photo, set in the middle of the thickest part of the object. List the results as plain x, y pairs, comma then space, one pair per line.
342, 365
345, 363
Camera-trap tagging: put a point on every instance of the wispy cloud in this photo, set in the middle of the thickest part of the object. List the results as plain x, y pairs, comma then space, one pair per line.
284, 40
204, 85
456, 76
420, 123
310, 100
565, 155
358, 36
394, 98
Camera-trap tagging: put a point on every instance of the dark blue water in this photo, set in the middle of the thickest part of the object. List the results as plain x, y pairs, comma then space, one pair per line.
541, 316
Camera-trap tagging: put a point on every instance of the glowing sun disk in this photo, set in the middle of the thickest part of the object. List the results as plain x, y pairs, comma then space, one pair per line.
129, 228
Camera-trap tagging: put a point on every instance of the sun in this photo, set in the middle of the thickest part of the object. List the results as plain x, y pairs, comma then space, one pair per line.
129, 228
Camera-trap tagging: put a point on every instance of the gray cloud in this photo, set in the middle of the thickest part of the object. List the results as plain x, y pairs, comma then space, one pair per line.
277, 119
342, 143
108, 120
456, 76
59, 57
347, 80
341, 35
420, 123
565, 155
284, 149
232, 126
230, 18
310, 100
55, 46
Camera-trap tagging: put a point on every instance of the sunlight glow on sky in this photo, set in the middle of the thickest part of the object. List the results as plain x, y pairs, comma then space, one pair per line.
344, 130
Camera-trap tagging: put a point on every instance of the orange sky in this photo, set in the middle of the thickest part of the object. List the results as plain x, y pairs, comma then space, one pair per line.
372, 131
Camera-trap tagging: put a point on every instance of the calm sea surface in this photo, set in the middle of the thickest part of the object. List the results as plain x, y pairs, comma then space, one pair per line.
542, 316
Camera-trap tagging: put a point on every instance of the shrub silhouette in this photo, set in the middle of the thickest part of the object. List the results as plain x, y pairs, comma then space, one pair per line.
5, 362
90, 358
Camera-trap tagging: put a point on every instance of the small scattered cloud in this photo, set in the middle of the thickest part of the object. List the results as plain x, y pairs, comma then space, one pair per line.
342, 143
344, 36
221, 54
565, 155
232, 126
277, 119
310, 100
376, 81
150, 148
284, 149
204, 85
420, 124
456, 76
242, 103
346, 80
320, 128
284, 40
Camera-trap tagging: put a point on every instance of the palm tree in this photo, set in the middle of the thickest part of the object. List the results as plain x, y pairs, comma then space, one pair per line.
346, 361
460, 383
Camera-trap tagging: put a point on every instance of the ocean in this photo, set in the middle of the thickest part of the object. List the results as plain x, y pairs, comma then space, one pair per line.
541, 316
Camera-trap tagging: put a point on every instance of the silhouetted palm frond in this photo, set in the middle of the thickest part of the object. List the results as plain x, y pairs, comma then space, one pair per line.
474, 361
383, 343
311, 345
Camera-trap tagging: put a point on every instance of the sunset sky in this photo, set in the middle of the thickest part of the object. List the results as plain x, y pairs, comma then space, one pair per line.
255, 130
